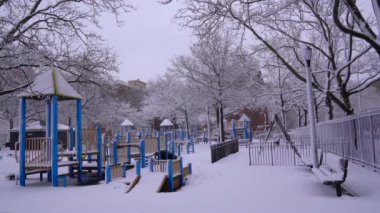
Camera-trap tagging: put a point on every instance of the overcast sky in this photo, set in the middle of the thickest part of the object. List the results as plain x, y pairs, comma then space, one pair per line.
148, 39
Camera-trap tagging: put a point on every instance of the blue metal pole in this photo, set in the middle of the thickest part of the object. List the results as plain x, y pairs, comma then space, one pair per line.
138, 168
142, 146
108, 174
166, 148
129, 148
54, 162
22, 138
181, 171
170, 174
151, 165
79, 138
173, 149
115, 156
99, 155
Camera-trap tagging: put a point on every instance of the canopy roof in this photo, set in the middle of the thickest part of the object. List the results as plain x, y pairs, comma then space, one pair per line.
37, 126
166, 122
50, 83
127, 122
244, 117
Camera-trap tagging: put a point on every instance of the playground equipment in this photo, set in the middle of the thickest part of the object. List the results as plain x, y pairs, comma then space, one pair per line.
276, 120
40, 155
176, 173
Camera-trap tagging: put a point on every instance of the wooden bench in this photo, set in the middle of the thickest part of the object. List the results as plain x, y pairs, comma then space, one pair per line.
333, 173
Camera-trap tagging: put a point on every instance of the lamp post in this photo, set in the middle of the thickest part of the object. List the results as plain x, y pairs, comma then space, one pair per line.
306, 52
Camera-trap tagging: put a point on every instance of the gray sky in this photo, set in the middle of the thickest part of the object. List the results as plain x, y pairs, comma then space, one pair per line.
148, 39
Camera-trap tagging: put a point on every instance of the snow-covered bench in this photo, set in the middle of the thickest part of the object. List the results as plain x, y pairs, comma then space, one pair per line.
333, 173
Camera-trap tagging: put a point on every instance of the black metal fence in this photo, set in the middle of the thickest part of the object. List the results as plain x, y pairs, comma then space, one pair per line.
222, 150
361, 132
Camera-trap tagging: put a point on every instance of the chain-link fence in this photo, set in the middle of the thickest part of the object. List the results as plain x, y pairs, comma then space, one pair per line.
361, 132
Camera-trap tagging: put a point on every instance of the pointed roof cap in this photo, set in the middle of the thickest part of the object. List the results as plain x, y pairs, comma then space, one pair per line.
126, 122
166, 122
50, 83
244, 117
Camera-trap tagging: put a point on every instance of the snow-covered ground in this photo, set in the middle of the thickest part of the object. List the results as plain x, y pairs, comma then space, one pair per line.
229, 185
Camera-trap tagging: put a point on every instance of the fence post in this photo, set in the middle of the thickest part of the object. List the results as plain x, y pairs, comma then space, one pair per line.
373, 143
249, 154
271, 153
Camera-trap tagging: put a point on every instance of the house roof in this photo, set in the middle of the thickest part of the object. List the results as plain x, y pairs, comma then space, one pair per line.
166, 122
50, 83
126, 122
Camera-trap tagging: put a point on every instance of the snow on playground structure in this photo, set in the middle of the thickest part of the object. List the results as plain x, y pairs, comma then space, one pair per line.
110, 154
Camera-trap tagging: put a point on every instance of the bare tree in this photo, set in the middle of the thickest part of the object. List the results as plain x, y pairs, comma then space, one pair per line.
53, 33
221, 69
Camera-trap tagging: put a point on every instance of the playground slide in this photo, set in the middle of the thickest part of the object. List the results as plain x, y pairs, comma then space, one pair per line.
149, 183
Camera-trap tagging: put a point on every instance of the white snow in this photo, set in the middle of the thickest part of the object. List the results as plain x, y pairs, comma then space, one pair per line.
51, 82
126, 122
229, 185
166, 122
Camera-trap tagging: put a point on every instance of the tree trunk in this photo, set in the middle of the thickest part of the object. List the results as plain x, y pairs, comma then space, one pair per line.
305, 118
221, 124
187, 124
299, 117
330, 107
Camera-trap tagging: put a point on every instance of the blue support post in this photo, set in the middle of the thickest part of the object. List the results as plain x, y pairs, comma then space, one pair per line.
151, 165
179, 150
115, 156
140, 134
182, 180
142, 146
246, 129
54, 141
99, 156
159, 146
22, 138
192, 145
190, 168
124, 170
173, 149
138, 168
170, 174
71, 147
108, 174
129, 148
166, 148
79, 138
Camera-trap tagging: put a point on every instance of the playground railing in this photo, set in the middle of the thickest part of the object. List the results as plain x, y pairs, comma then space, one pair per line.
222, 150
37, 151
158, 165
